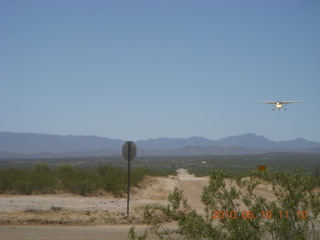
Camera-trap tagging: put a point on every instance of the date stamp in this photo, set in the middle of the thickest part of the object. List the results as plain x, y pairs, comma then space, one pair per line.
260, 215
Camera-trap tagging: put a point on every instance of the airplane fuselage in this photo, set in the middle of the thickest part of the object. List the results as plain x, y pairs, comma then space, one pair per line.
278, 105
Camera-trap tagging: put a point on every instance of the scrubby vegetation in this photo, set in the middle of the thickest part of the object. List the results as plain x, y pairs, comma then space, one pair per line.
243, 165
240, 166
89, 175
41, 179
293, 215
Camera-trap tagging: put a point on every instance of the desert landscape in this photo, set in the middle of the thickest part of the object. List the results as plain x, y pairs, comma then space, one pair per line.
98, 97
67, 216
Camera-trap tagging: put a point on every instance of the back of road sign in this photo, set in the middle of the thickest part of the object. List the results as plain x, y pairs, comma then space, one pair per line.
129, 151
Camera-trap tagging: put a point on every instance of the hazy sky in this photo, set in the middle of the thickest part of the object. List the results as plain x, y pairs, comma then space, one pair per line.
135, 70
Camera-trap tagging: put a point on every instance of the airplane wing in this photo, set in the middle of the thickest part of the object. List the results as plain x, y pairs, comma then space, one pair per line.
288, 102
282, 102
268, 102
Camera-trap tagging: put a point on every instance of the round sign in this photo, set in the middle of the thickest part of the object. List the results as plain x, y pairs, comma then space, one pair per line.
129, 151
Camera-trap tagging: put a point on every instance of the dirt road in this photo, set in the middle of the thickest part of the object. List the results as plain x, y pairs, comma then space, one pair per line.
192, 188
106, 232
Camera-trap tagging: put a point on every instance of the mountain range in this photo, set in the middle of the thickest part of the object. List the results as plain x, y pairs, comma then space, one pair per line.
34, 145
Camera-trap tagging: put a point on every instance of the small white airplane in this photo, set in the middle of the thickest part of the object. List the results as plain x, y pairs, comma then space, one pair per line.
279, 104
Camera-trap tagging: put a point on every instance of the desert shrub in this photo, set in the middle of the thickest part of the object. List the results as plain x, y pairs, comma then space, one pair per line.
7, 179
224, 219
67, 177
81, 182
316, 179
88, 182
24, 186
244, 164
113, 179
137, 175
42, 179
42, 167
294, 192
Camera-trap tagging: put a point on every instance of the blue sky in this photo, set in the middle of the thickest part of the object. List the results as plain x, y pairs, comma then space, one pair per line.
135, 70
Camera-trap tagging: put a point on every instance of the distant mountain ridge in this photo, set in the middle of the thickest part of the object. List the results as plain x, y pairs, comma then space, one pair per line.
248, 140
34, 145
173, 143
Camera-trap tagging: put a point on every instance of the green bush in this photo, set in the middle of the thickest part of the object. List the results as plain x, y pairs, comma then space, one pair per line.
38, 180
113, 179
67, 176
87, 182
24, 186
293, 215
7, 180
42, 179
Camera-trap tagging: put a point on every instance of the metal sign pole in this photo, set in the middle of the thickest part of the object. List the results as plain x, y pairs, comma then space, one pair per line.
129, 152
129, 160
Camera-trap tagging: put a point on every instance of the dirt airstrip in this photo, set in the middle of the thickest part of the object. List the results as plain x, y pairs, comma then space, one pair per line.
66, 216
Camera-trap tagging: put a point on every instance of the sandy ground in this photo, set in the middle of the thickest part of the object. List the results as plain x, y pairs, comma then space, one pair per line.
71, 209
66, 216
151, 190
